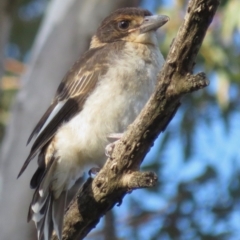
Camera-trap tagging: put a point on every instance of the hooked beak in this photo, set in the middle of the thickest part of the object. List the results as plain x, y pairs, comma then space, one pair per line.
154, 22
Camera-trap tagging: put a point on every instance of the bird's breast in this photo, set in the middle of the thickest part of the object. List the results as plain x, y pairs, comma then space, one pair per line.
114, 104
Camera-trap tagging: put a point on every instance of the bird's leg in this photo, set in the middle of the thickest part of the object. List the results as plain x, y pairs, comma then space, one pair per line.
114, 136
109, 148
108, 151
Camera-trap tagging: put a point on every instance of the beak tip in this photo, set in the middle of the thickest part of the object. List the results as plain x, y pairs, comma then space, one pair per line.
154, 22
165, 18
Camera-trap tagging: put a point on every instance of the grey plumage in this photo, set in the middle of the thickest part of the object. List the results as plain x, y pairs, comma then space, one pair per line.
102, 94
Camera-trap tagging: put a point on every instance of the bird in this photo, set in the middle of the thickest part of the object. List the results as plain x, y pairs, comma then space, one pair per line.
100, 95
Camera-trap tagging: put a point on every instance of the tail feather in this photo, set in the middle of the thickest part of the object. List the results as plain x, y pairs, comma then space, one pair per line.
58, 213
45, 225
47, 179
40, 224
48, 222
40, 198
36, 178
49, 217
47, 209
39, 202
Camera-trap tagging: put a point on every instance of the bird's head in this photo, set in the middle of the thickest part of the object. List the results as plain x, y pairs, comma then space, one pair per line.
130, 25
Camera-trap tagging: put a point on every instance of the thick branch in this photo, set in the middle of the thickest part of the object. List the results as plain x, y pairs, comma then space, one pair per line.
120, 173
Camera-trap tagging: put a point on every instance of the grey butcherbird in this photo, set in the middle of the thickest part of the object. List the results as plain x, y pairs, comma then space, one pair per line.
102, 94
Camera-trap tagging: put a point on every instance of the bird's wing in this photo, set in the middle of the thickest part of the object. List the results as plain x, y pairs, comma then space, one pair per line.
71, 94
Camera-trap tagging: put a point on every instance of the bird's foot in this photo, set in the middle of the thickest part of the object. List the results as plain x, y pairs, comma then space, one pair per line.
110, 147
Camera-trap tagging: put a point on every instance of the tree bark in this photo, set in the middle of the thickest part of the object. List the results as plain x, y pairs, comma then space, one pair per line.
120, 173
65, 34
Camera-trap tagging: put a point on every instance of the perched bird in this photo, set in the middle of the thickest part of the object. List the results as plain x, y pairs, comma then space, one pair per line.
102, 94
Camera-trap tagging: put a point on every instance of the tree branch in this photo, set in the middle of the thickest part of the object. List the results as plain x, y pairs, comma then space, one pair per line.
120, 173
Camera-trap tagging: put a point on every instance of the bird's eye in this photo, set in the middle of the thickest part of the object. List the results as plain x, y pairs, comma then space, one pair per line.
123, 24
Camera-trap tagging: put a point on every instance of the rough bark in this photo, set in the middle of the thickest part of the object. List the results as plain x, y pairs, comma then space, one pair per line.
63, 36
120, 173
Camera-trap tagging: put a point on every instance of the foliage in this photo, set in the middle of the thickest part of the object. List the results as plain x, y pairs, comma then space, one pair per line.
26, 16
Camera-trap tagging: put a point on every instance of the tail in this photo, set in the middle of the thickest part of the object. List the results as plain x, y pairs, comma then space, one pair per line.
46, 210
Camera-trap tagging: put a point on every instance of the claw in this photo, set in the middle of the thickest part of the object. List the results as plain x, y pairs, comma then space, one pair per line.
109, 149
94, 171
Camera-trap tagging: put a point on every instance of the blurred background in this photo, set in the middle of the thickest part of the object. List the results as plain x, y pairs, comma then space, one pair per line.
197, 158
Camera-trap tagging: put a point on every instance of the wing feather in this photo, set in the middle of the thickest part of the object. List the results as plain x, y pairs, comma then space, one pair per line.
71, 94
42, 121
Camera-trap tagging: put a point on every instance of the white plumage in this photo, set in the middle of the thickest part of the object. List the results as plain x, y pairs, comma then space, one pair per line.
114, 104
102, 94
